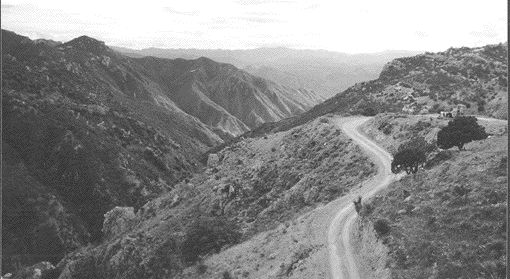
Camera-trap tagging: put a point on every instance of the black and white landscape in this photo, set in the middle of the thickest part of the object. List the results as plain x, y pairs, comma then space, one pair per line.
254, 139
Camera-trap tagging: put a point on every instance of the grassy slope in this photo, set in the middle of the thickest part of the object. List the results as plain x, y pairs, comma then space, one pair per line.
453, 223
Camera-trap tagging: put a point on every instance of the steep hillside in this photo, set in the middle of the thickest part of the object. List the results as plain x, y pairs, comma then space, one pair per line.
251, 187
36, 226
449, 220
94, 129
223, 96
84, 144
426, 83
323, 76
321, 71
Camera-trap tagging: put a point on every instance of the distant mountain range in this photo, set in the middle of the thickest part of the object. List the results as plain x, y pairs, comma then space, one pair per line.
324, 72
87, 128
427, 83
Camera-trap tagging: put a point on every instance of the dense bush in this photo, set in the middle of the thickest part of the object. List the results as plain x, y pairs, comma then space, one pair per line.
436, 108
386, 127
369, 111
418, 143
481, 106
208, 234
226, 275
408, 160
460, 131
381, 227
366, 107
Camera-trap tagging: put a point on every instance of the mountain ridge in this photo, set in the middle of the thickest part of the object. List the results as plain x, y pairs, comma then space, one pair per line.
98, 129
321, 71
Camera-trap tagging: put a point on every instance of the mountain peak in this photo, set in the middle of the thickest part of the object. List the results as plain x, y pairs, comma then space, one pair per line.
50, 43
88, 44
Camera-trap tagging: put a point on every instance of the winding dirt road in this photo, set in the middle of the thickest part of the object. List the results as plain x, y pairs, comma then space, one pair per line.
341, 256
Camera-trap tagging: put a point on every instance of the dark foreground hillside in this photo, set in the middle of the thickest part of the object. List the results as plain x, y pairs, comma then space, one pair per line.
86, 129
81, 145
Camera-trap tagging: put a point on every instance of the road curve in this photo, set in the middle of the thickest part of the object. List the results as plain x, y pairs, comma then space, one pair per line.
341, 256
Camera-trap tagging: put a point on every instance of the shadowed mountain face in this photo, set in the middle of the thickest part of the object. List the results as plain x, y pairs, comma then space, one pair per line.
323, 72
88, 129
224, 97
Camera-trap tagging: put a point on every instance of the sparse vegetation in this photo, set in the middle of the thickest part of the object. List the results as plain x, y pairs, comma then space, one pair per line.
440, 157
455, 224
382, 227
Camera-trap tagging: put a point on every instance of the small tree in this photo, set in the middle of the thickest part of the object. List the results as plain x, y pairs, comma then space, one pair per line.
381, 227
418, 143
460, 131
409, 160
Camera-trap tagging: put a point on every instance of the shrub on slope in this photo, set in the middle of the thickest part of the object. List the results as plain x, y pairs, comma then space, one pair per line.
449, 221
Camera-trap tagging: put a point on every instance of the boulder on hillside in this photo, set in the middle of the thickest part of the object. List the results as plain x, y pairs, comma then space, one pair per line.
117, 221
213, 160
32, 272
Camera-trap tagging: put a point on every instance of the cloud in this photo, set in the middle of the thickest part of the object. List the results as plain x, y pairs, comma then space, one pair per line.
421, 34
185, 13
264, 2
347, 26
485, 33
260, 17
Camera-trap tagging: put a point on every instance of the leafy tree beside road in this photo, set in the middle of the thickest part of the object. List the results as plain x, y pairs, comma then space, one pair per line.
411, 155
460, 131
408, 160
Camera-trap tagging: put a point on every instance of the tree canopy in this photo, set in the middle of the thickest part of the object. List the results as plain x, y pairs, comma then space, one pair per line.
460, 131
418, 143
411, 155
408, 160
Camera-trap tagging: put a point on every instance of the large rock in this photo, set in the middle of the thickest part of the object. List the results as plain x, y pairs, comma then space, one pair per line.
117, 221
32, 272
213, 160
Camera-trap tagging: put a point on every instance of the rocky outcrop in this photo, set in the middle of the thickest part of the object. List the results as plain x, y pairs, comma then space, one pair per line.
118, 221
40, 270
213, 160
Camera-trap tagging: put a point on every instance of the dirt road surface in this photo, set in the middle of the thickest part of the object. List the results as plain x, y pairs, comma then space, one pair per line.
341, 256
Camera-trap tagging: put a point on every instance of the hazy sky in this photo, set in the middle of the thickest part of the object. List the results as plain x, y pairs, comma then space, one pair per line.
347, 26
